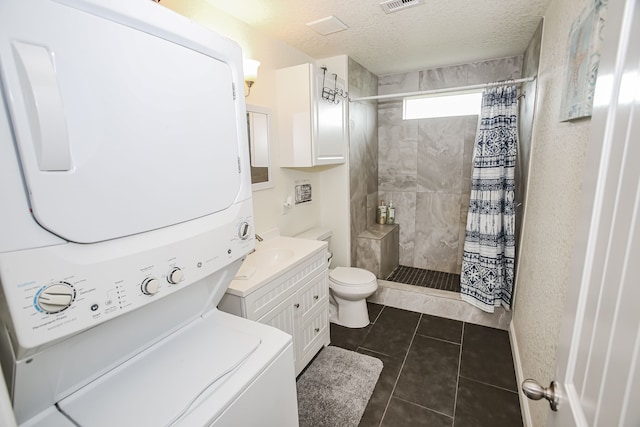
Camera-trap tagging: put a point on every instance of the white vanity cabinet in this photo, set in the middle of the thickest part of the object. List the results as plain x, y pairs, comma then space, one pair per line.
295, 300
312, 131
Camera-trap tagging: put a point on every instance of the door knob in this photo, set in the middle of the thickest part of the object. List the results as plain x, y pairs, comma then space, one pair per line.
534, 391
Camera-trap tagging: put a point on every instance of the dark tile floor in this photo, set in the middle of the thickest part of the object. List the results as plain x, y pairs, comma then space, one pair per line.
437, 371
426, 278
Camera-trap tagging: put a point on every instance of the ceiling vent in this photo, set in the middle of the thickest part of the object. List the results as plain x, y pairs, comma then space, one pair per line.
390, 6
328, 25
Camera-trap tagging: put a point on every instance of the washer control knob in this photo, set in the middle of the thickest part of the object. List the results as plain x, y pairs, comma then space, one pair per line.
150, 286
175, 276
244, 230
55, 298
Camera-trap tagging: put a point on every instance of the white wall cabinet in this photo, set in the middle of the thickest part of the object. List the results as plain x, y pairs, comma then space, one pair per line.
296, 302
311, 131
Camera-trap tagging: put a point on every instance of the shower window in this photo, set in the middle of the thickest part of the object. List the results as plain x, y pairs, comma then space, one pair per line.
466, 103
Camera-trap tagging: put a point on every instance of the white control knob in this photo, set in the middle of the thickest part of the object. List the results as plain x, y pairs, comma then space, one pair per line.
175, 276
244, 230
150, 286
55, 298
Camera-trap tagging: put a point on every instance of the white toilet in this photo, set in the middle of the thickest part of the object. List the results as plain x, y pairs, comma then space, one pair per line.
348, 287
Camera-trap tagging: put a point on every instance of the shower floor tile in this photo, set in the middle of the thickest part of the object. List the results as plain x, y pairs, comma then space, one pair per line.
426, 278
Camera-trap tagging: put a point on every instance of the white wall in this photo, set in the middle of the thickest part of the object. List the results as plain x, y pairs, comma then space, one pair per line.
552, 205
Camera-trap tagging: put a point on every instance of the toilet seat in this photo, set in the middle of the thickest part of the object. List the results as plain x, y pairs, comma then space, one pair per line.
351, 276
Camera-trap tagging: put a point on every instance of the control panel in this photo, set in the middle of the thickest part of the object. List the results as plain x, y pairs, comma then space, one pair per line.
75, 287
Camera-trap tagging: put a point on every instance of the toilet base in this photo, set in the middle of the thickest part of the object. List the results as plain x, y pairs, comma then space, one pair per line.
350, 314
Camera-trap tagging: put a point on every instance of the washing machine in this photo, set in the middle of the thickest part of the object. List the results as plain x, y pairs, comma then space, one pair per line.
126, 213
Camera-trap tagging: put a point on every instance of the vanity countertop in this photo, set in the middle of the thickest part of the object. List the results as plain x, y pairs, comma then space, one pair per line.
272, 258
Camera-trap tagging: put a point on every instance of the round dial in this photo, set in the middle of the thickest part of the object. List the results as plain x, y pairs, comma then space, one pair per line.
175, 276
55, 298
244, 230
150, 286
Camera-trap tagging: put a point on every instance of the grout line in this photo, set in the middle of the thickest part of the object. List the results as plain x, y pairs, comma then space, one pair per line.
424, 407
455, 399
490, 385
377, 317
438, 339
393, 390
411, 275
449, 281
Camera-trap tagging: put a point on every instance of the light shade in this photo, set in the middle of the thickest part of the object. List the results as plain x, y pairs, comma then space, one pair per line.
251, 70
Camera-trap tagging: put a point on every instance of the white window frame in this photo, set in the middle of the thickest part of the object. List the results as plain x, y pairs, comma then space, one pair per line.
463, 103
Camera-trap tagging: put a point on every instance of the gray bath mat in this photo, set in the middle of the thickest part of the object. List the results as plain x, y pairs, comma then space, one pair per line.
335, 388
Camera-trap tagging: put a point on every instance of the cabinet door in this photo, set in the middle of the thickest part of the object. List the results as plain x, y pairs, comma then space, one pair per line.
313, 131
119, 128
282, 317
294, 115
329, 124
313, 335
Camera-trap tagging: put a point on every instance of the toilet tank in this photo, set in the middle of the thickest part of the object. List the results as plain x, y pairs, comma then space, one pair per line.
318, 233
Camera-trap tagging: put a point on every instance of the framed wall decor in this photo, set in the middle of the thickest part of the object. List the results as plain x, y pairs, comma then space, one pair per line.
583, 55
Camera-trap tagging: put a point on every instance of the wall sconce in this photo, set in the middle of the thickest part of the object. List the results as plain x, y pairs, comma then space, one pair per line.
250, 73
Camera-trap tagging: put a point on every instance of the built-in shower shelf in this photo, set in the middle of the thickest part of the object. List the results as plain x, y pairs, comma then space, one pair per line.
378, 249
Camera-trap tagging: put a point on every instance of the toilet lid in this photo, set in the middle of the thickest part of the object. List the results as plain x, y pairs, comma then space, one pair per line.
351, 276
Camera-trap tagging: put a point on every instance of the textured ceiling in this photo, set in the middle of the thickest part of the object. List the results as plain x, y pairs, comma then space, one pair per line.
437, 33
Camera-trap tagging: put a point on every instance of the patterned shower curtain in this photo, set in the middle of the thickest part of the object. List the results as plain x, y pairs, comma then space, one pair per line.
489, 247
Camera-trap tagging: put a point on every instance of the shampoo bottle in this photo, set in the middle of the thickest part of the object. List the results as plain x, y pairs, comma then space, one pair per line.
391, 214
382, 213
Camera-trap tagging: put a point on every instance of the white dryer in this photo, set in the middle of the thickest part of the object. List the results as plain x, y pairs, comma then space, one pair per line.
126, 213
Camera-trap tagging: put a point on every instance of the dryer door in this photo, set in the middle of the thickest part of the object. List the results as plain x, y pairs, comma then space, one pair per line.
119, 131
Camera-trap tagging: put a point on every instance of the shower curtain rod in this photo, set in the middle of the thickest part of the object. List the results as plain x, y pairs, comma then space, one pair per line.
444, 90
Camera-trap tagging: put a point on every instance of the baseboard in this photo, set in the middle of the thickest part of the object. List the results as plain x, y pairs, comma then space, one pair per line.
524, 402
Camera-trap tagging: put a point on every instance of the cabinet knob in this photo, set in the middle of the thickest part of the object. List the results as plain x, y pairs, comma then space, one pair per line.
296, 305
317, 330
315, 297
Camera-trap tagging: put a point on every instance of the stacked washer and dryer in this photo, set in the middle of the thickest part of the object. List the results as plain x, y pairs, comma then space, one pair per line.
126, 213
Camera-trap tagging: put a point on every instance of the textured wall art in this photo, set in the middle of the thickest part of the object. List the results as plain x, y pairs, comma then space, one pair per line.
583, 54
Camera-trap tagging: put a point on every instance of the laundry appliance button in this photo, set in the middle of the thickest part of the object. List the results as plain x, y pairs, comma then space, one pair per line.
55, 298
244, 230
150, 286
175, 276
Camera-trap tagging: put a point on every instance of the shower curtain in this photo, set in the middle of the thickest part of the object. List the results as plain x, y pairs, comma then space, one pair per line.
487, 274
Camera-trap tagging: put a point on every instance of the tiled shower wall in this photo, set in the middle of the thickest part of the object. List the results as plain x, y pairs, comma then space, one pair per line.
363, 150
424, 166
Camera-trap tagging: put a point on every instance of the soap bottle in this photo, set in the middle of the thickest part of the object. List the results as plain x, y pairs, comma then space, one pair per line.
382, 213
391, 214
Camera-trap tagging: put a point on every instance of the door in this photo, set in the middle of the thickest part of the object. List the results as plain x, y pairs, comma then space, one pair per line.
125, 129
598, 370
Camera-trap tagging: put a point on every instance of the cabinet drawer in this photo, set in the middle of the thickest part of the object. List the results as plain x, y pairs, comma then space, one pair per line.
264, 299
315, 293
313, 335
